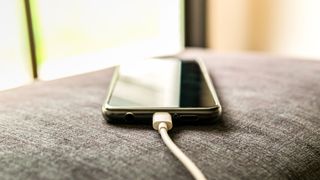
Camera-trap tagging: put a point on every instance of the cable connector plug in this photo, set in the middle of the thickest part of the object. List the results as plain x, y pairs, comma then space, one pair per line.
161, 120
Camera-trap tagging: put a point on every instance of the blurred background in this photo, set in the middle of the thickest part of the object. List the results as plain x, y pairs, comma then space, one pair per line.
43, 40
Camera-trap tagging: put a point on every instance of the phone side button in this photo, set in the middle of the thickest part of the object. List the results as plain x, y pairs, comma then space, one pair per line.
189, 118
129, 117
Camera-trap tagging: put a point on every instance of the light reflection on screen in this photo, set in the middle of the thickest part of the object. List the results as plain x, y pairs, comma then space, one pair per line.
161, 83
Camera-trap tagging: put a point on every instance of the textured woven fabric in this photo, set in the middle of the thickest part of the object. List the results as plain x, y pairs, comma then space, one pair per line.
270, 128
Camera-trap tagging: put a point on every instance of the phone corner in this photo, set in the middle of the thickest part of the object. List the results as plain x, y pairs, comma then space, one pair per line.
104, 112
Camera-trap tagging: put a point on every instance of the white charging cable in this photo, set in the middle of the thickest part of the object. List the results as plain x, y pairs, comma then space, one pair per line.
162, 122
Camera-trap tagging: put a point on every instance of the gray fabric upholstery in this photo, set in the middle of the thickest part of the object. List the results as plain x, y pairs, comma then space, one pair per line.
270, 128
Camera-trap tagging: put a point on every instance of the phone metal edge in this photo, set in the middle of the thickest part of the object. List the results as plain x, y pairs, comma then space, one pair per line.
107, 107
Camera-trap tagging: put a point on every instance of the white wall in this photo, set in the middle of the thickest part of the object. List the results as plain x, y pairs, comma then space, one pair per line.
285, 27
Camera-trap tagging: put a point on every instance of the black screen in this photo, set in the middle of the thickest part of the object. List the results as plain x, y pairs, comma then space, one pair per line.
161, 83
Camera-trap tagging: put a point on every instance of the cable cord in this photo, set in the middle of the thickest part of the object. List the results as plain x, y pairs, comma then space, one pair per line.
162, 122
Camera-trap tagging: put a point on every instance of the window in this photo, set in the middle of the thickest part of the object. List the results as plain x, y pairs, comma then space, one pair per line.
77, 36
15, 67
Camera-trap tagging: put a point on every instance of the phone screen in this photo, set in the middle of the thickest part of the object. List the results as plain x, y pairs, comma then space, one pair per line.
161, 83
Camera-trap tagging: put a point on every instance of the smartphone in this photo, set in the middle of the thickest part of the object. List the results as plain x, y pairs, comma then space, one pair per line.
181, 87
